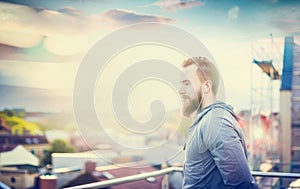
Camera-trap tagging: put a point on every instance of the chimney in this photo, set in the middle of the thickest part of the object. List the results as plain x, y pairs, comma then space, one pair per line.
90, 166
47, 182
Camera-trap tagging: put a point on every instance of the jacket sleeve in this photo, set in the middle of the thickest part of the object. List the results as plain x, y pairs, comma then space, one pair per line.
222, 139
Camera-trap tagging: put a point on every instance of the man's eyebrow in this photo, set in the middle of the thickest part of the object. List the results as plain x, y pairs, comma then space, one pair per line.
186, 81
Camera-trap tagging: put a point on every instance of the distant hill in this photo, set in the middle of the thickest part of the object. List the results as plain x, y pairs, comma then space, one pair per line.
34, 99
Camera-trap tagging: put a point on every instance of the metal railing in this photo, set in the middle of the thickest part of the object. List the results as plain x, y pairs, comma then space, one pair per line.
142, 176
127, 179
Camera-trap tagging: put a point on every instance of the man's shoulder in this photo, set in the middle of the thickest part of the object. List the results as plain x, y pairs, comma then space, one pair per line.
215, 114
217, 118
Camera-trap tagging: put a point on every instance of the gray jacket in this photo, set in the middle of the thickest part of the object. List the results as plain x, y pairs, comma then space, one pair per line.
216, 155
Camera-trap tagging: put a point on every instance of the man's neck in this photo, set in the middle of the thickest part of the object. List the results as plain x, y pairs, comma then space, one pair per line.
208, 100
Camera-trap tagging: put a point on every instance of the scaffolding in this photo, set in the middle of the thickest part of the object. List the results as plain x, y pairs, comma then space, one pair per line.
264, 107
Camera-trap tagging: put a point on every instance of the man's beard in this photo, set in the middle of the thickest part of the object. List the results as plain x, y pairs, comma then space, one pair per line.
192, 105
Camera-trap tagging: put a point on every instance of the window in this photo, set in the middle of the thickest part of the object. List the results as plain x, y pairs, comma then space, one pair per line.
13, 180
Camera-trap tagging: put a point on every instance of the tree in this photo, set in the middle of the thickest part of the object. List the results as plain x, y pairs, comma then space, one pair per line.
9, 113
57, 146
18, 124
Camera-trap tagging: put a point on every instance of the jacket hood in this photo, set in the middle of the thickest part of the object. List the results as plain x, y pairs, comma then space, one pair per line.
223, 105
217, 104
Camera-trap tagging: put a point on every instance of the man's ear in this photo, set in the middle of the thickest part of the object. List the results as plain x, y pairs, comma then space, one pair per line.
206, 86
204, 89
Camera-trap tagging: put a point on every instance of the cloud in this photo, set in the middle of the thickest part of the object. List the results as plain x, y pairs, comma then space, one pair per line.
273, 1
267, 1
175, 5
71, 11
94, 1
37, 53
233, 13
42, 21
285, 19
68, 31
118, 17
270, 1
24, 26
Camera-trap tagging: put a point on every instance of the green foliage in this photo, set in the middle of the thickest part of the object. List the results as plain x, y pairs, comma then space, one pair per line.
15, 112
21, 113
22, 125
47, 158
9, 113
60, 146
19, 125
57, 146
15, 120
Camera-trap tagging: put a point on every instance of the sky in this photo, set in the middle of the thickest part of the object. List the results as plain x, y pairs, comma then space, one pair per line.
42, 43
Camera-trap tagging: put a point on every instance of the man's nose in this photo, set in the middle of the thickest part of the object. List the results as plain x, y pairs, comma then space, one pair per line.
181, 91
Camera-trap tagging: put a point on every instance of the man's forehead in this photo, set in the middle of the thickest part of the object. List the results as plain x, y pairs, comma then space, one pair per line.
191, 68
189, 71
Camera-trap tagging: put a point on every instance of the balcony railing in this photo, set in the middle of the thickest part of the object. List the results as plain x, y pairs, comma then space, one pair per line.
142, 176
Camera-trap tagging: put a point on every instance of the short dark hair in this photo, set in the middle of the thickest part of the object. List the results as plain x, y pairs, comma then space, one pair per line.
206, 70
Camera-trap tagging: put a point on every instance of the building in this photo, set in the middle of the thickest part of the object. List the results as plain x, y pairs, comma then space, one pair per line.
4, 129
18, 172
36, 144
77, 160
290, 104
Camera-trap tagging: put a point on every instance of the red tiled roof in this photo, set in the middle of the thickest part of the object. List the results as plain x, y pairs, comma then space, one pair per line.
119, 172
84, 178
129, 171
3, 125
7, 147
30, 139
23, 139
